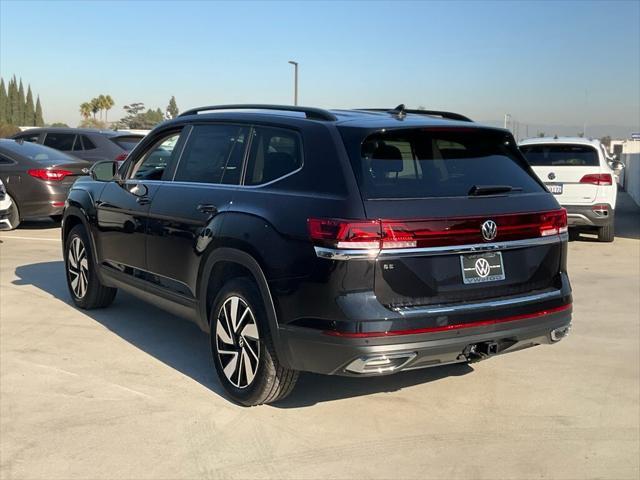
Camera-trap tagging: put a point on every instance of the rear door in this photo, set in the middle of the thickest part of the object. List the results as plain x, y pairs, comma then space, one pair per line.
446, 201
562, 167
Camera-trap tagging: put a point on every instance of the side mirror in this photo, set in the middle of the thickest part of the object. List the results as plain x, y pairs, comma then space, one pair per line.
104, 171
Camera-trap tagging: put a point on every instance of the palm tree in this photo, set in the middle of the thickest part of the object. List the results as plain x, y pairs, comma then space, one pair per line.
109, 103
95, 106
102, 103
85, 110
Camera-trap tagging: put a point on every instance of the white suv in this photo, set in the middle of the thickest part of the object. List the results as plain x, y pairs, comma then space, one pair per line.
577, 171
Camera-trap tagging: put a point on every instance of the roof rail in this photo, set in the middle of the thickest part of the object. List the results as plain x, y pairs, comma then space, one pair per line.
310, 112
401, 111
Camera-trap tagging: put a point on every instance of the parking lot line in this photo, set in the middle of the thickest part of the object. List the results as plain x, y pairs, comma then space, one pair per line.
29, 238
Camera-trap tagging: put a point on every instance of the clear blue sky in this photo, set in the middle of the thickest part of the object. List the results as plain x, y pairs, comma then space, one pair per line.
536, 60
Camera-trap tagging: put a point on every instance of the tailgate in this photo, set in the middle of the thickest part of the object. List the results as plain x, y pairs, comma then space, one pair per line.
432, 272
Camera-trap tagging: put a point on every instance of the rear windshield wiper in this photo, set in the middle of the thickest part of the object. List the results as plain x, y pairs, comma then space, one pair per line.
478, 190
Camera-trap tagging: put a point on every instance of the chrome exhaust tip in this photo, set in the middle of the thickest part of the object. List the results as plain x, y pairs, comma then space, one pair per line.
380, 363
558, 334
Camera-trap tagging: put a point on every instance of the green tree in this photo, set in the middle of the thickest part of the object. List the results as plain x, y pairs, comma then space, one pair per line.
85, 110
4, 102
29, 109
172, 108
21, 105
59, 124
14, 102
95, 106
108, 105
39, 119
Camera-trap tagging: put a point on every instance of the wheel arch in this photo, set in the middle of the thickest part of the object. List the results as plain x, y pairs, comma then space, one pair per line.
224, 264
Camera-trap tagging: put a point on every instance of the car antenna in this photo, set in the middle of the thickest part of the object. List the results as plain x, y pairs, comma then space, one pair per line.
399, 111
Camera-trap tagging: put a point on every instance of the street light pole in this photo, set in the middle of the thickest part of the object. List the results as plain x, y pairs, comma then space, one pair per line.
295, 81
507, 119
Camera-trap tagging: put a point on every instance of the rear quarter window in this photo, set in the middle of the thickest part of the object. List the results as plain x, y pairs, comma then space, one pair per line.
555, 155
126, 143
422, 163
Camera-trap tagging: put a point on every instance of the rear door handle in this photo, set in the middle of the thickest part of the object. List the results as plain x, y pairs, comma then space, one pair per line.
207, 208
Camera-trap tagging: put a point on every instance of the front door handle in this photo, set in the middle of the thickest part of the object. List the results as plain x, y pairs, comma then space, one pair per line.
207, 208
143, 200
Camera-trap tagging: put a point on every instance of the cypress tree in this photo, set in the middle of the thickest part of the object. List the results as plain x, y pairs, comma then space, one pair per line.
14, 102
39, 120
29, 111
172, 108
21, 104
4, 101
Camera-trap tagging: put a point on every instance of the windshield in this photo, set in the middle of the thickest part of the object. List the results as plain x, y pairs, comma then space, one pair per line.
451, 162
555, 155
36, 152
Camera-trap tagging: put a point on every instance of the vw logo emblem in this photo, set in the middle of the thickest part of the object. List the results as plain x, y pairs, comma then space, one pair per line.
489, 230
552, 176
482, 267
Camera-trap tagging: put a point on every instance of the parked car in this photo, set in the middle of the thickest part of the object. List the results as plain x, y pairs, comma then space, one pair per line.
37, 179
5, 208
344, 242
579, 174
85, 143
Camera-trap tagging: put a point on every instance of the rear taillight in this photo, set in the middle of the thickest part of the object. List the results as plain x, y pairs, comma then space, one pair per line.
345, 234
52, 174
597, 179
553, 223
391, 234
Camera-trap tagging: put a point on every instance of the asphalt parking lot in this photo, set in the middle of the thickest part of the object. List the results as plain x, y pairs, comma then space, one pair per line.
130, 391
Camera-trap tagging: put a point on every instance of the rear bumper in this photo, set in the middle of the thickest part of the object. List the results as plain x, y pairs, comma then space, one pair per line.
315, 351
585, 216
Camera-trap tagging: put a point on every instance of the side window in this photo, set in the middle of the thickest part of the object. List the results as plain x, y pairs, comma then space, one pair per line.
6, 161
274, 153
60, 141
152, 164
77, 146
32, 138
88, 144
213, 154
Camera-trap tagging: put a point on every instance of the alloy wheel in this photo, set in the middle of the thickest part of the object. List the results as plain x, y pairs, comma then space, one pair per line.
237, 342
78, 267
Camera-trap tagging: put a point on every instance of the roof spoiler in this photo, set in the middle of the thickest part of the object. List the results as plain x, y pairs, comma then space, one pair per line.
401, 111
310, 112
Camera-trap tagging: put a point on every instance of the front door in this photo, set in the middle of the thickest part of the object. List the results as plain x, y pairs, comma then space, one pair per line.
123, 206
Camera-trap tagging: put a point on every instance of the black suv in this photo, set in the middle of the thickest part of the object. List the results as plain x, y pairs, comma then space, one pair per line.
347, 242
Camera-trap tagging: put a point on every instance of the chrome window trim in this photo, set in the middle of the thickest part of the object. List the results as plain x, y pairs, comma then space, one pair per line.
410, 311
388, 254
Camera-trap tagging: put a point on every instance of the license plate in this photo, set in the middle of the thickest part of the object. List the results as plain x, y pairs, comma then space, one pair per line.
482, 267
555, 188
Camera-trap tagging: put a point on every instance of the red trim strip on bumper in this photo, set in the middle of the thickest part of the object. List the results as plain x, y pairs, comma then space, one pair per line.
445, 328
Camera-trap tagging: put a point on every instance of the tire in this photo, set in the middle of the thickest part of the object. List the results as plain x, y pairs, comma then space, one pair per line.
606, 233
85, 288
14, 214
244, 355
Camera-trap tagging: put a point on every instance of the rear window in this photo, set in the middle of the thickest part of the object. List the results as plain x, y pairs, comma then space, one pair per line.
554, 155
421, 163
126, 143
36, 152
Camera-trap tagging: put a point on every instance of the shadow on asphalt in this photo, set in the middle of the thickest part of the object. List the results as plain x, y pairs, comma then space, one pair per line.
181, 345
40, 224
